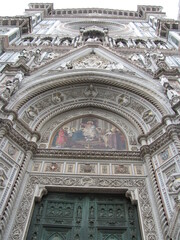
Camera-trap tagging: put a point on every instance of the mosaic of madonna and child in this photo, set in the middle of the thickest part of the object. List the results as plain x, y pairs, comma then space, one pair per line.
89, 133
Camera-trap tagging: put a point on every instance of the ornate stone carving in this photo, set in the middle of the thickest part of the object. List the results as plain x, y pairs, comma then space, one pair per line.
148, 116
32, 112
57, 98
91, 91
3, 177
123, 100
170, 92
12, 86
12, 150
75, 182
174, 183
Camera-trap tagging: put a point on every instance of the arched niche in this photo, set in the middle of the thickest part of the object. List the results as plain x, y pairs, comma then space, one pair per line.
88, 132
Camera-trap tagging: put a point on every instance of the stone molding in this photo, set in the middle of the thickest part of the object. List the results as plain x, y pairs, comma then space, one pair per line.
8, 130
87, 184
7, 125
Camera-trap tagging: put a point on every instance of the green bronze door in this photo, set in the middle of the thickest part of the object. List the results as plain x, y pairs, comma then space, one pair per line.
66, 216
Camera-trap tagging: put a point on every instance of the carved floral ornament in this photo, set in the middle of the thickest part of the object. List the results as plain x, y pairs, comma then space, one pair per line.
149, 229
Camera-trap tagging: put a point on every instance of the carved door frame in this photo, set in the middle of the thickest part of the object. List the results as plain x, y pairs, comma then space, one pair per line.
38, 185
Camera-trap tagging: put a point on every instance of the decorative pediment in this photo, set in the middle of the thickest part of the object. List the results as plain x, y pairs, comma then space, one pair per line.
92, 61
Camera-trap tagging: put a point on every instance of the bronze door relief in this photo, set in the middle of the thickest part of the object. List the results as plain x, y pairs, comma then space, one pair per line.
69, 216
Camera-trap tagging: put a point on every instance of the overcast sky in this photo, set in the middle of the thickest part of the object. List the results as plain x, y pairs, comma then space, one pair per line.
17, 7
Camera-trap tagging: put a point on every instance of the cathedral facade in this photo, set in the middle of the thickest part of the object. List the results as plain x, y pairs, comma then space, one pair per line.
89, 124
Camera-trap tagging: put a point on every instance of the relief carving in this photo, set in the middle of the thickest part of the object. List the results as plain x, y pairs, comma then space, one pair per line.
148, 116
91, 91
11, 150
3, 177
57, 98
123, 100
11, 86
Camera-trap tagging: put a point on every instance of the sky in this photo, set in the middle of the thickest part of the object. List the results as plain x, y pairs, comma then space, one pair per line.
17, 7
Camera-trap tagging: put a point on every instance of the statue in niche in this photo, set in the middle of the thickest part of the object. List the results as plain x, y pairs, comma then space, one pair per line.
119, 213
79, 211
66, 42
91, 210
120, 44
110, 213
91, 91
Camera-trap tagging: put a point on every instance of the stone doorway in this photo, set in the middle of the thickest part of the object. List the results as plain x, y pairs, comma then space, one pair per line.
80, 216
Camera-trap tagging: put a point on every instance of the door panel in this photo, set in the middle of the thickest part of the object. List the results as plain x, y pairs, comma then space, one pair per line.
66, 216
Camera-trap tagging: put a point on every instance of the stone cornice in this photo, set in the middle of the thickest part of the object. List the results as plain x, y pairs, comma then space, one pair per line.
79, 154
161, 141
16, 137
90, 154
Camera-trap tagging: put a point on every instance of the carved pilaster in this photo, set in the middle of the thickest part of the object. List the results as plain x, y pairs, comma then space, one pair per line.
157, 196
12, 197
5, 127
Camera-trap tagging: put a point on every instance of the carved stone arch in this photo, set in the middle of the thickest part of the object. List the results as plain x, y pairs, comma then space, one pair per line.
113, 79
40, 109
121, 113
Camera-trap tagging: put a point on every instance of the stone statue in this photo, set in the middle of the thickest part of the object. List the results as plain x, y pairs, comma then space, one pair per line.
37, 56
171, 93
12, 85
25, 56
164, 81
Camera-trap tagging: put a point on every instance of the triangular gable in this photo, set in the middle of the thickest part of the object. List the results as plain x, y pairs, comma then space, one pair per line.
90, 57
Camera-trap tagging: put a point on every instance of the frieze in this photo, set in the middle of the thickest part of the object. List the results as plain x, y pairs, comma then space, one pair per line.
85, 167
84, 182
